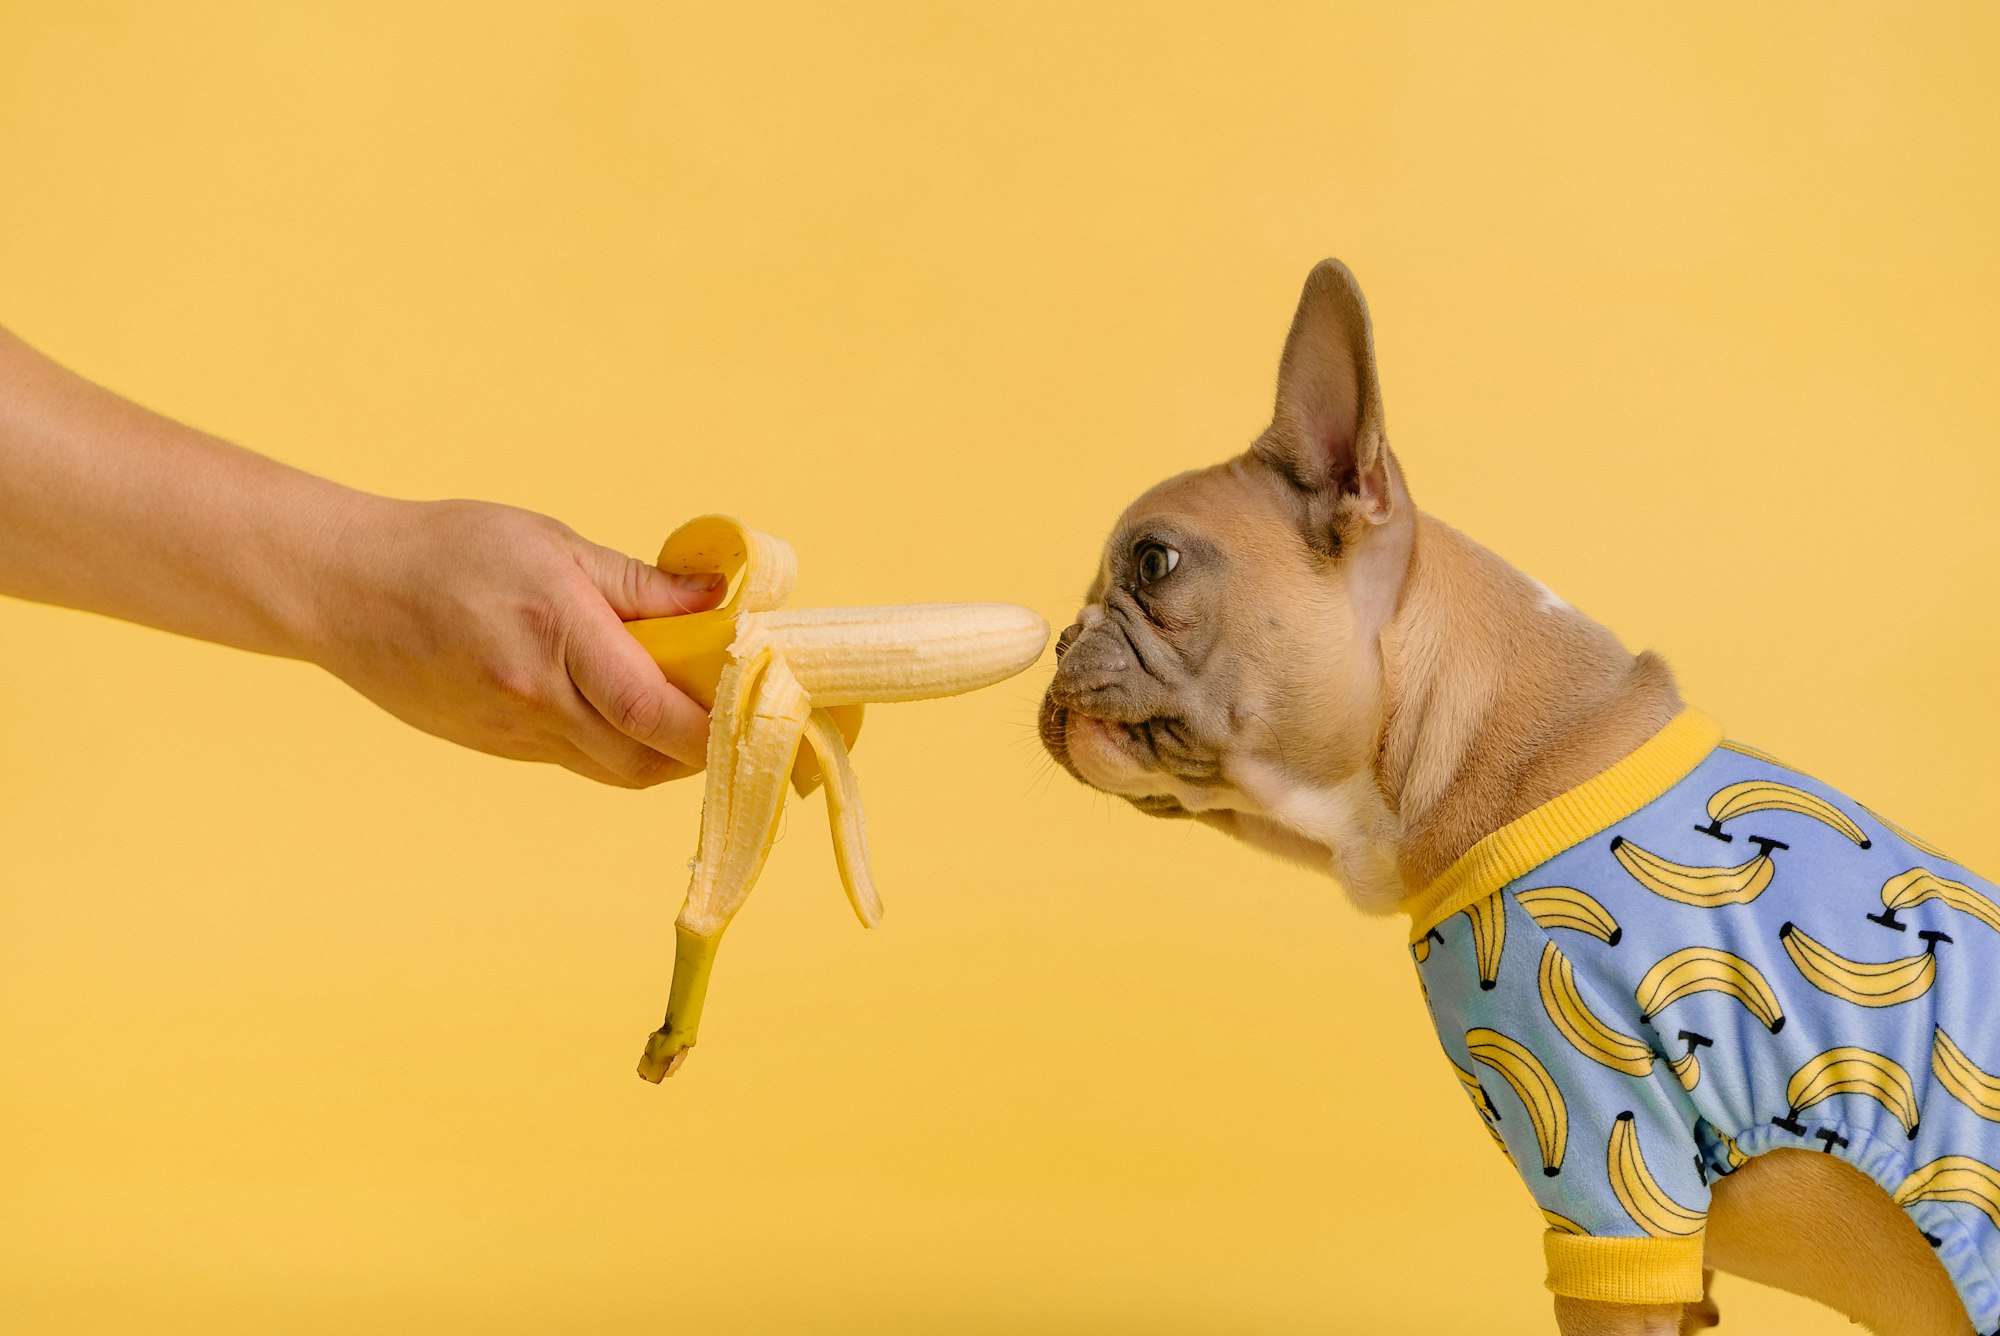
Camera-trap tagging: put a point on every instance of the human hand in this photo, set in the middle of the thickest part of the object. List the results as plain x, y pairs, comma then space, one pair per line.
502, 630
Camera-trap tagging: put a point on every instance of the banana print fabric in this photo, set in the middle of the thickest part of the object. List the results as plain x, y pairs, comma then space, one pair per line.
1749, 960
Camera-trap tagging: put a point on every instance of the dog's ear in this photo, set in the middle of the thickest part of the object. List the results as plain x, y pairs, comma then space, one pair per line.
1326, 436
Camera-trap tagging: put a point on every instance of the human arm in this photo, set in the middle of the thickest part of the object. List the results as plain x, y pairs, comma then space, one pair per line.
491, 626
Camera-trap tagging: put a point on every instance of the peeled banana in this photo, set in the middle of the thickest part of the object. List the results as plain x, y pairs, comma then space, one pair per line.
774, 680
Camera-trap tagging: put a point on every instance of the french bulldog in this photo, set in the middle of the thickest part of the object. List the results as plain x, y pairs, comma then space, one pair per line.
1283, 647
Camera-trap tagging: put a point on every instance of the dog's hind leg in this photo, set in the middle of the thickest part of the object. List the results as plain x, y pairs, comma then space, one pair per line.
1816, 1226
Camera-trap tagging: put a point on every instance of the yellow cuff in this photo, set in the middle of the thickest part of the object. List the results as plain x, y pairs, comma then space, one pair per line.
1625, 1271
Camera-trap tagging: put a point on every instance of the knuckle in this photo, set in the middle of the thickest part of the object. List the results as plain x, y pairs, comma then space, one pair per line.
639, 711
515, 685
652, 768
545, 620
630, 576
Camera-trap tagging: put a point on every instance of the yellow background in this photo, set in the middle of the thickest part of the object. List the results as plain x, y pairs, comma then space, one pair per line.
316, 1024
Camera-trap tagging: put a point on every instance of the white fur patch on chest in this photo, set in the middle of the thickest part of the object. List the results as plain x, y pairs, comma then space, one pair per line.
1346, 828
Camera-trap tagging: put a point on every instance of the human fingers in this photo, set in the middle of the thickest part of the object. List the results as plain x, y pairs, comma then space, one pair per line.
627, 690
636, 589
629, 763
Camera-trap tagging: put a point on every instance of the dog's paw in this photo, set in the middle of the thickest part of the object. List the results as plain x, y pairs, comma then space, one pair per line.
1699, 1316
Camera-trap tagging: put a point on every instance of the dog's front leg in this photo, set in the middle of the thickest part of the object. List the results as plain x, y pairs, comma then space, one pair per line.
1588, 1317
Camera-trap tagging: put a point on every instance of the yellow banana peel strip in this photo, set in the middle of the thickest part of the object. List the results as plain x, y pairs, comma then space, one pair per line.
773, 680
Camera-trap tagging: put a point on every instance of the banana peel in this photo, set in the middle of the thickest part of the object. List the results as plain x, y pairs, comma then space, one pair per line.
692, 649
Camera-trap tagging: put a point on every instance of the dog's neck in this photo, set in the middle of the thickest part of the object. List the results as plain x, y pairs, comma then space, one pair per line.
1499, 697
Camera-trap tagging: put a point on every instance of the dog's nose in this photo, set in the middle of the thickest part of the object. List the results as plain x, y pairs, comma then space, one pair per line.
1093, 662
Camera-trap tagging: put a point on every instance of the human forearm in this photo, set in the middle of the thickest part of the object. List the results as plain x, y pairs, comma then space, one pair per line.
494, 627
108, 507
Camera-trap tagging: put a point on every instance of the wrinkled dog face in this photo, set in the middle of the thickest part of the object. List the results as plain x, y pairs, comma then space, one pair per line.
1181, 649
1226, 662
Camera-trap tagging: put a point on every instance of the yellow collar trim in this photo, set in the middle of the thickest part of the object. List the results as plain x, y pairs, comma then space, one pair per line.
1526, 842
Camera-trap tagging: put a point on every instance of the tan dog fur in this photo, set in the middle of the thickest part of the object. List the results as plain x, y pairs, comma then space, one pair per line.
1327, 673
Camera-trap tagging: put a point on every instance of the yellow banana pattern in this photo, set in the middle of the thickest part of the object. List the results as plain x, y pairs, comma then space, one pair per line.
1958, 1178
1917, 885
1708, 887
1548, 1112
1562, 1224
1745, 749
1975, 1089
1707, 969
1580, 1025
1854, 1071
1480, 1098
1869, 1041
1639, 1192
1567, 907
1488, 918
1916, 842
1769, 795
1687, 1067
1863, 983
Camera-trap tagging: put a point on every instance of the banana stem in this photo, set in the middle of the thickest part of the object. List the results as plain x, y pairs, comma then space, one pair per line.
667, 1047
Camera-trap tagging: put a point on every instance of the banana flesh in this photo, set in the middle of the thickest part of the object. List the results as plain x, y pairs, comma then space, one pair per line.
785, 689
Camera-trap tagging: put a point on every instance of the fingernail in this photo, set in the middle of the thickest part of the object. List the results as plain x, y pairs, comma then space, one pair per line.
700, 584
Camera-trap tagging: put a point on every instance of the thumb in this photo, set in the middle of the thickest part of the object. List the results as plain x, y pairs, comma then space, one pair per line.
635, 589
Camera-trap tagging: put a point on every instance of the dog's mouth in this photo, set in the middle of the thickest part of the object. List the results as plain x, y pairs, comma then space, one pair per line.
1115, 749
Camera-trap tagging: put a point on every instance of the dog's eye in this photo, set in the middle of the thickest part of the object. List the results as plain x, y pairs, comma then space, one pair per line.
1155, 560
